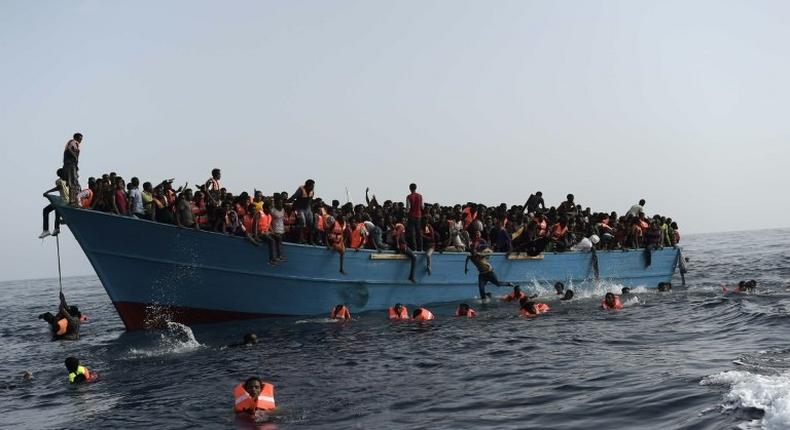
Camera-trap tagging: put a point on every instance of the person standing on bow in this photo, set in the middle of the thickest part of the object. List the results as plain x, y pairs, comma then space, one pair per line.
71, 156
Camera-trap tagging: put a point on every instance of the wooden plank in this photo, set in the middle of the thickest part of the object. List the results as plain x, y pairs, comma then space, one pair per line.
388, 256
523, 256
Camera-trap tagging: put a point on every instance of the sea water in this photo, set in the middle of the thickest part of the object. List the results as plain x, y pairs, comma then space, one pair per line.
693, 358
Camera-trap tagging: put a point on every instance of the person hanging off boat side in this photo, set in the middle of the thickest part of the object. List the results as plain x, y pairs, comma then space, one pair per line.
66, 323
62, 187
254, 399
402, 247
479, 257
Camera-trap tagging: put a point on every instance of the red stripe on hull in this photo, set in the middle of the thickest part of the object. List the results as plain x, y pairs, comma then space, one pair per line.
139, 316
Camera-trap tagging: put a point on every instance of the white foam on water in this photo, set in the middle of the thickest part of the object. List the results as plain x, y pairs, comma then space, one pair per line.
318, 321
769, 393
176, 338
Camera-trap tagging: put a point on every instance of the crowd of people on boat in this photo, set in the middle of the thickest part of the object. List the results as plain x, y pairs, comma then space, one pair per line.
404, 226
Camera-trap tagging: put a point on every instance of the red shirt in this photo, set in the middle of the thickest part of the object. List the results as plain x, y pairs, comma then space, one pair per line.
415, 205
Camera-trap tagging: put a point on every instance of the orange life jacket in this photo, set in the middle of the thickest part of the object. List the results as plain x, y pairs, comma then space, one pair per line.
617, 303
86, 200
264, 222
246, 220
63, 326
320, 222
425, 315
403, 315
512, 296
245, 403
540, 308
643, 225
558, 231
470, 314
357, 238
542, 228
342, 314
196, 210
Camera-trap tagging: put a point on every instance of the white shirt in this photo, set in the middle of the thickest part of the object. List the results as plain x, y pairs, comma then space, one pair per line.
635, 210
278, 226
584, 245
136, 201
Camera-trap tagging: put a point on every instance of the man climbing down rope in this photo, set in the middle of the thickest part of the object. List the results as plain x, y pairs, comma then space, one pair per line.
66, 323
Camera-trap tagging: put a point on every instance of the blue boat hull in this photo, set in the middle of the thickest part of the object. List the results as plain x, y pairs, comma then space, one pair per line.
156, 272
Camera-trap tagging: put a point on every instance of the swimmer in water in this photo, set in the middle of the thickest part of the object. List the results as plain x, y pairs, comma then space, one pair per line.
664, 287
249, 339
464, 310
611, 301
568, 295
254, 398
78, 373
340, 312
559, 287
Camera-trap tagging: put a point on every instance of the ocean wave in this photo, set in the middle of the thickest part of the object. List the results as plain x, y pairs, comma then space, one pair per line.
769, 393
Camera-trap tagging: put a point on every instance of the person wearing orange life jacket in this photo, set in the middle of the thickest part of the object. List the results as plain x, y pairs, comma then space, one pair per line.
213, 186
398, 312
358, 236
85, 197
422, 314
515, 295
77, 373
261, 230
531, 309
199, 210
340, 312
336, 239
254, 398
66, 323
611, 301
464, 310
247, 219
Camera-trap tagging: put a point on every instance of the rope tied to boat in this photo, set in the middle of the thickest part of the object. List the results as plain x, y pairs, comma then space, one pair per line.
60, 277
594, 262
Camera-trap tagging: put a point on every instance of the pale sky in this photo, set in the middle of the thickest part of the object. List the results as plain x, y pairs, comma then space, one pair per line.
682, 103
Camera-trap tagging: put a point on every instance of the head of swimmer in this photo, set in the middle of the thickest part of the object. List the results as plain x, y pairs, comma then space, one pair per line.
625, 291
253, 386
417, 312
72, 363
609, 299
568, 295
463, 309
250, 339
559, 287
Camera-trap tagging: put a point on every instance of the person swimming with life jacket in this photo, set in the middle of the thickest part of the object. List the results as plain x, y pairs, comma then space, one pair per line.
532, 309
514, 295
464, 310
742, 287
422, 314
66, 323
341, 313
254, 398
79, 373
479, 257
398, 312
611, 301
